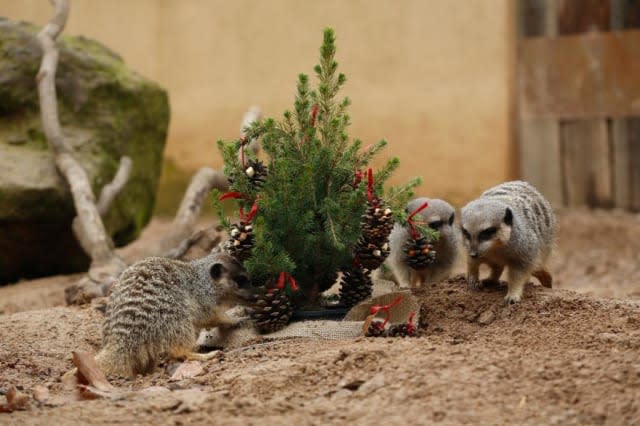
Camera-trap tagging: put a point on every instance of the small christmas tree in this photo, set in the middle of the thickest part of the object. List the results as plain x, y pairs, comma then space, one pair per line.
315, 208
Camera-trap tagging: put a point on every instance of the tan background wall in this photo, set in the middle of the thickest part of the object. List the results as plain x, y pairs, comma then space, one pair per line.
434, 77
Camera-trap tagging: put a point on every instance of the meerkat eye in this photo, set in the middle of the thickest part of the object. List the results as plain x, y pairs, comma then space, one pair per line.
242, 281
466, 234
216, 271
487, 234
436, 224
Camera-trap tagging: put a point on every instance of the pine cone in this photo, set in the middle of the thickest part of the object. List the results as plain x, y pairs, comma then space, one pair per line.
370, 254
355, 286
419, 253
270, 309
376, 329
377, 222
240, 242
401, 330
256, 171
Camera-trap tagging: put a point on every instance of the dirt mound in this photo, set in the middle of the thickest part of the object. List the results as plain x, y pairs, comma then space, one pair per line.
556, 358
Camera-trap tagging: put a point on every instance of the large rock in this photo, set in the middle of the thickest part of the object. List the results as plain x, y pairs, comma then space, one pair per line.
106, 111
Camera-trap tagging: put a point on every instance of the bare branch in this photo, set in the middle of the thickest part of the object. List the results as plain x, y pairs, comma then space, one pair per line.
201, 184
90, 229
111, 190
253, 114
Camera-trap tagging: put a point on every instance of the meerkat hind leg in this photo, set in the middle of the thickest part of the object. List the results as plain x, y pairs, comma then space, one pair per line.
494, 275
190, 355
194, 356
544, 277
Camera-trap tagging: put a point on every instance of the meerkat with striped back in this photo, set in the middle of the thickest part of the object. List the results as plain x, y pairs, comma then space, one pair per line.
158, 305
439, 216
511, 225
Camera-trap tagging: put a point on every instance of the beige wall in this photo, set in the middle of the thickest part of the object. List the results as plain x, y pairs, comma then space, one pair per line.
431, 76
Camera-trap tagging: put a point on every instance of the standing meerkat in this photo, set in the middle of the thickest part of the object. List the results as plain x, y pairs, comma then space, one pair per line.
158, 306
439, 216
512, 225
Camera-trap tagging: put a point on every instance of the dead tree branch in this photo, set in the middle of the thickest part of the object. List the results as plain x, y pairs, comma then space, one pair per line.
201, 184
111, 190
90, 230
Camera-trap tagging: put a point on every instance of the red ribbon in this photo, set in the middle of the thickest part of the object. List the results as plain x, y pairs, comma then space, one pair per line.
412, 223
251, 215
411, 327
285, 276
370, 184
357, 178
385, 308
233, 195
314, 115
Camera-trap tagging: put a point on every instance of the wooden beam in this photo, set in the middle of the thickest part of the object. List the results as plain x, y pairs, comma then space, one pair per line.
621, 162
586, 162
633, 128
589, 75
540, 162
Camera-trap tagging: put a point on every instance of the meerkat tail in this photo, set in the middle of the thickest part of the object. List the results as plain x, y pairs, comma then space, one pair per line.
112, 362
544, 277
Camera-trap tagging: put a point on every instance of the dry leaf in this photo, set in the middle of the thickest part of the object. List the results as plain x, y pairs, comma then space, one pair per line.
187, 370
89, 371
16, 400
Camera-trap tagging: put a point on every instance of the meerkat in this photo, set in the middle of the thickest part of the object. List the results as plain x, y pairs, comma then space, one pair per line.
439, 216
511, 225
158, 306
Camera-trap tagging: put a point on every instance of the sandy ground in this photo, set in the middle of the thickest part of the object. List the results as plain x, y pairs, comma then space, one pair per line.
570, 355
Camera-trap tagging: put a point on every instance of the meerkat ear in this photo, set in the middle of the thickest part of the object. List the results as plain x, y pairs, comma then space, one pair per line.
217, 270
508, 217
452, 218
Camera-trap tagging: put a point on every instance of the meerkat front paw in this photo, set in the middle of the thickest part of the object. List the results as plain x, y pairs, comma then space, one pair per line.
473, 282
511, 299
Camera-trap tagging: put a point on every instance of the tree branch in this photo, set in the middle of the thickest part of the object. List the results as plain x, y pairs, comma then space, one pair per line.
90, 230
111, 190
201, 184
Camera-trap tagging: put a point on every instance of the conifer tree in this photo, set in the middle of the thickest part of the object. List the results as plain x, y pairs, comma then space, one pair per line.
301, 212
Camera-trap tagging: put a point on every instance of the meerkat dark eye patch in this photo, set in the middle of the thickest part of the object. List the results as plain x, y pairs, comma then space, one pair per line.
217, 270
436, 224
466, 233
452, 218
242, 281
487, 234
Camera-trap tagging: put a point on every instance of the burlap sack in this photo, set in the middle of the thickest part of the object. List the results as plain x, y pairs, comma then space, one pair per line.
349, 328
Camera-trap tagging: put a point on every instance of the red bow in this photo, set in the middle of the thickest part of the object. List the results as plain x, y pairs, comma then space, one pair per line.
314, 115
251, 215
285, 276
411, 327
412, 224
370, 184
385, 308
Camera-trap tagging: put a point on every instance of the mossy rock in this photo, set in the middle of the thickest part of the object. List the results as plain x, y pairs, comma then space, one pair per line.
106, 111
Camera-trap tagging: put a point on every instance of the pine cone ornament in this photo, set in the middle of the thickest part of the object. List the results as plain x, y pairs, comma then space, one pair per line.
377, 222
376, 329
419, 253
270, 309
240, 242
401, 330
256, 171
355, 286
370, 254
